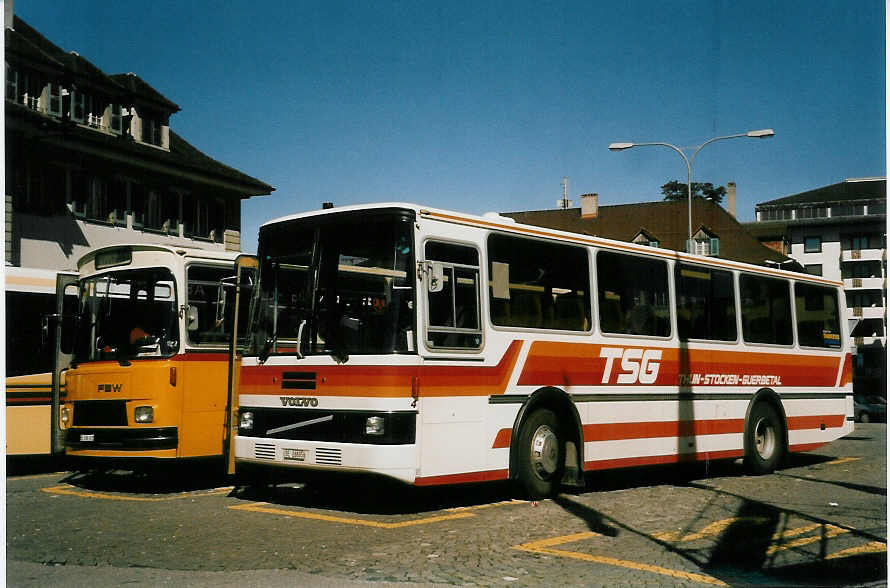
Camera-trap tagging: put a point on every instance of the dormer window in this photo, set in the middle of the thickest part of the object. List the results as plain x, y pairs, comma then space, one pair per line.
54, 107
151, 131
645, 238
114, 118
704, 242
78, 106
12, 84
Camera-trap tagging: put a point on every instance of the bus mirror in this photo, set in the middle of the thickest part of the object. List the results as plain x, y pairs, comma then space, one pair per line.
220, 303
192, 315
436, 274
48, 321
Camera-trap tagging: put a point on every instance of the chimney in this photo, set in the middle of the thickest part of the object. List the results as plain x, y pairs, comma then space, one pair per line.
7, 14
589, 205
730, 198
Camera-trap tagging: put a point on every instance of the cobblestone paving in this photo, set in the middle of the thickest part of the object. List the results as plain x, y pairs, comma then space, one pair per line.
821, 520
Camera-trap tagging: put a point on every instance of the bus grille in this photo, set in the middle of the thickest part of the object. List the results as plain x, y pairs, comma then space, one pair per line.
328, 456
264, 451
100, 413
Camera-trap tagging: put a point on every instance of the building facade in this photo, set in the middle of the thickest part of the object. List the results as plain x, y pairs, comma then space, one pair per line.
840, 232
91, 160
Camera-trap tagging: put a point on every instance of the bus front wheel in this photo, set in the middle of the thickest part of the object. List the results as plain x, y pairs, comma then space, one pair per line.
541, 454
765, 443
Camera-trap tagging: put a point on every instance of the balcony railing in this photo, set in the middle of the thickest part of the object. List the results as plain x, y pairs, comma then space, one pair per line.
862, 255
866, 312
870, 341
864, 283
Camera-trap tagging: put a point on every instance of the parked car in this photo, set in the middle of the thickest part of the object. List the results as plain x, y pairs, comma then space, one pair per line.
869, 409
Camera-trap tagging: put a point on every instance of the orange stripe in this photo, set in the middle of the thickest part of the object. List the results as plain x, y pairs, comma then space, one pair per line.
553, 363
626, 462
805, 447
831, 421
389, 381
661, 429
487, 476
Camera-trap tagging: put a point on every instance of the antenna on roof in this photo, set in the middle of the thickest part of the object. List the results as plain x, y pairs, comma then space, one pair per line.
564, 203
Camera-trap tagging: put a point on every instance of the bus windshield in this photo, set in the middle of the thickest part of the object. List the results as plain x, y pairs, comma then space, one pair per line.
340, 286
127, 314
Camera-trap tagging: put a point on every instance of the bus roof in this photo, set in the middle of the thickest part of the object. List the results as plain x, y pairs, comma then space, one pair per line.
494, 221
186, 252
29, 279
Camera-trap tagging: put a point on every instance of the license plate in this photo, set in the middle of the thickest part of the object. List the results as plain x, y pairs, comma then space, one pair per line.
87, 437
293, 454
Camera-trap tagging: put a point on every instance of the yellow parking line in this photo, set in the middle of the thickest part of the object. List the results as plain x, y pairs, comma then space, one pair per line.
71, 491
830, 531
544, 547
34, 476
841, 460
259, 507
714, 528
873, 547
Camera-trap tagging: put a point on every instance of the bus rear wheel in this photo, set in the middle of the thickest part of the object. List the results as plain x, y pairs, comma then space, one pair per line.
765, 442
541, 454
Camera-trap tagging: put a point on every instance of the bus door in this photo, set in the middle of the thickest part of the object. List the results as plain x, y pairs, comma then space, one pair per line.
60, 333
245, 277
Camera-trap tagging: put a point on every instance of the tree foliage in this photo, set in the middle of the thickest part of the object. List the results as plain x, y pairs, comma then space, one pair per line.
677, 190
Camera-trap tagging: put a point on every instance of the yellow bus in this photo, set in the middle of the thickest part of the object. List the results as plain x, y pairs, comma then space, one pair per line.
30, 296
148, 373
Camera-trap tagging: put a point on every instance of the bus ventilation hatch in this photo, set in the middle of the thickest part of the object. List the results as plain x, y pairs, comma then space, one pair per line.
298, 381
328, 456
264, 451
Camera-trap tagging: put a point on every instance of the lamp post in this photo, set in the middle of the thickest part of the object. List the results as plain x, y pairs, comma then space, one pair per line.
759, 134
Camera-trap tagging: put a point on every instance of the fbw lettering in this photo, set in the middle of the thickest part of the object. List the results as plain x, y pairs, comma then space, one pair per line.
637, 365
110, 387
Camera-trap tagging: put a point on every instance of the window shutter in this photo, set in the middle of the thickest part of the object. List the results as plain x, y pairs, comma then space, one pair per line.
715, 246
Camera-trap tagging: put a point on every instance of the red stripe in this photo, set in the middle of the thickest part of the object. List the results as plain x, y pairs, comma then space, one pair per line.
378, 381
626, 462
805, 447
502, 439
830, 421
552, 363
487, 476
659, 429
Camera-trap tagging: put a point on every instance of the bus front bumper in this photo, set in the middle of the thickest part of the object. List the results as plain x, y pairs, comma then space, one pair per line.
393, 461
121, 439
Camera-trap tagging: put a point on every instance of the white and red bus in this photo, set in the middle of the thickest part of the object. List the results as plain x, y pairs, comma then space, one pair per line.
436, 347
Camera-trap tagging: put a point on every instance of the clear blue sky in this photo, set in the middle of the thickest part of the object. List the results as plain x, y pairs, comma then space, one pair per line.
479, 106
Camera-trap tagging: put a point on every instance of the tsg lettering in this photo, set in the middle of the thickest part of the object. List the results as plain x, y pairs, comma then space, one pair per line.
637, 365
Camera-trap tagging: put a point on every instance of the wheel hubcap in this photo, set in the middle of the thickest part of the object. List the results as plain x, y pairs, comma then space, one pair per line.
545, 452
764, 439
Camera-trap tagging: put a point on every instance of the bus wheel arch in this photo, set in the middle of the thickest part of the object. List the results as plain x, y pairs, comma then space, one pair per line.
766, 433
548, 417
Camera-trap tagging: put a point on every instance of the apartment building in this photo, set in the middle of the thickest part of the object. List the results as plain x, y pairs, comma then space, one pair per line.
840, 232
91, 160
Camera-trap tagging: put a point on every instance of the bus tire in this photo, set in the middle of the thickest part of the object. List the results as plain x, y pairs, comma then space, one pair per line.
541, 458
765, 439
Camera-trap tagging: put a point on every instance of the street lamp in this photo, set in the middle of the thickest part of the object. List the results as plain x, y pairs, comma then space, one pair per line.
759, 134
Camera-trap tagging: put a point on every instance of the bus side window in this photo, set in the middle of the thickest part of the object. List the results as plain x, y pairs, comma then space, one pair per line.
816, 310
766, 310
538, 284
632, 294
453, 317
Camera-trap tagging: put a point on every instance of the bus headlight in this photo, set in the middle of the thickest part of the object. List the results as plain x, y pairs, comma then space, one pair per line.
374, 425
65, 416
144, 414
245, 423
